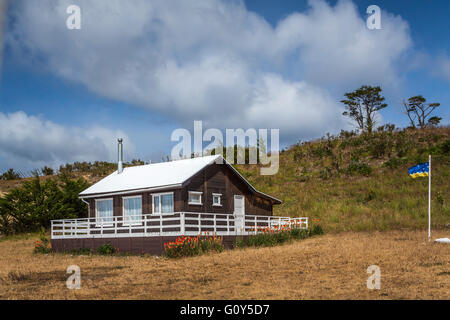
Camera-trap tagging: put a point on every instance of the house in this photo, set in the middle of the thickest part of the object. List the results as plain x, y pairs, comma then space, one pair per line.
138, 209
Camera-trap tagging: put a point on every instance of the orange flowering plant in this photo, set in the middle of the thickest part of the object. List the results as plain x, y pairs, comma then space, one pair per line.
190, 246
42, 245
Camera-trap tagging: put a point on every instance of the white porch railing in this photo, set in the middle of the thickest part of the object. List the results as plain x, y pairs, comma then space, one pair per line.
173, 224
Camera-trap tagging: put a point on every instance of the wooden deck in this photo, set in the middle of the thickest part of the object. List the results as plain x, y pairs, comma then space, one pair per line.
148, 233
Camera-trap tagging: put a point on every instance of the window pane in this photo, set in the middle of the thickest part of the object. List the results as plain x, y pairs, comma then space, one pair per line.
156, 204
216, 199
194, 198
132, 209
105, 210
166, 203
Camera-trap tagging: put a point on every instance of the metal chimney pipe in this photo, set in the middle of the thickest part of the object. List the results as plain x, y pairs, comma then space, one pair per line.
120, 156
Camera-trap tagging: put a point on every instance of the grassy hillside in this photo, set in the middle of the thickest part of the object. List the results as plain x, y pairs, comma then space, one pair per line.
349, 182
353, 182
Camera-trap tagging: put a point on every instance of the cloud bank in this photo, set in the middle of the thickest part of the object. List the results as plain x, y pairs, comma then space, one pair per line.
215, 60
29, 141
207, 60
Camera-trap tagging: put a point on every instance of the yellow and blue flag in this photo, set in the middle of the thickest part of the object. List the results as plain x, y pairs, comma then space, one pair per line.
421, 170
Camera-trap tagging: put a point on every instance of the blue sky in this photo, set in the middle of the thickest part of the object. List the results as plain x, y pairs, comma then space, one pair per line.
141, 69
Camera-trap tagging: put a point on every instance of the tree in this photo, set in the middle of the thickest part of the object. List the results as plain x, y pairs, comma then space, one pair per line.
10, 175
434, 121
46, 171
418, 112
34, 204
362, 106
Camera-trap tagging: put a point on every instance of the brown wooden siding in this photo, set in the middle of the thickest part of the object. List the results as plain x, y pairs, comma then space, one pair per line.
136, 245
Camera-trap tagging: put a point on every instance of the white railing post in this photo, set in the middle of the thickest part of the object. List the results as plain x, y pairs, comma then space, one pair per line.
160, 224
182, 224
215, 229
256, 226
145, 225
199, 223
228, 224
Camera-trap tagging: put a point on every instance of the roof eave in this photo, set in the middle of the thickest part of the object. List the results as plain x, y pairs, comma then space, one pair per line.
113, 193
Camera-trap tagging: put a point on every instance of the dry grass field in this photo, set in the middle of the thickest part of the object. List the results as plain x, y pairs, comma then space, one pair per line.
332, 266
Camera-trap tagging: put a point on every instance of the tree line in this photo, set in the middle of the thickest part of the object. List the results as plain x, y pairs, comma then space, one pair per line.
96, 169
33, 205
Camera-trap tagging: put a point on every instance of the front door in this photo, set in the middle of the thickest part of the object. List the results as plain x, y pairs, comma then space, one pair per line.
239, 213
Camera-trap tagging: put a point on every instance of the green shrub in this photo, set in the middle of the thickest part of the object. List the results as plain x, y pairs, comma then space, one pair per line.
299, 234
393, 163
239, 243
380, 146
43, 244
106, 249
261, 240
271, 237
316, 230
33, 205
358, 167
444, 147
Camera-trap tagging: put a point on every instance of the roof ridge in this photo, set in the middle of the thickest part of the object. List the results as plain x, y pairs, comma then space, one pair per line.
171, 161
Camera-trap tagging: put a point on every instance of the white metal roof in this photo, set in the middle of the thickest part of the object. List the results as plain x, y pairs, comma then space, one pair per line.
162, 175
150, 176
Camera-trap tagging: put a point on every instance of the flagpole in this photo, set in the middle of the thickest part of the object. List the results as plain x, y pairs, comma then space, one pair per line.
429, 197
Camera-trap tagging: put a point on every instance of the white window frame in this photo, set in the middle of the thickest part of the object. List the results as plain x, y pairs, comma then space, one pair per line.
97, 221
159, 195
139, 222
220, 200
195, 193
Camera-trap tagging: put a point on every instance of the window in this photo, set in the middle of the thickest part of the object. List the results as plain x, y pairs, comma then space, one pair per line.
132, 210
163, 203
216, 199
104, 212
195, 197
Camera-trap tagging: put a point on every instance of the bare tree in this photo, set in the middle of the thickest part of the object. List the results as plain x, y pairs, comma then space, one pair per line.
418, 112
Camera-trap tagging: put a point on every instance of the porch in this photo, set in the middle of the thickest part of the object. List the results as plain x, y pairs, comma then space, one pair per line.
173, 224
148, 233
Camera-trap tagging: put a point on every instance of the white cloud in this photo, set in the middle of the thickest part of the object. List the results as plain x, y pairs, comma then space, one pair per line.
442, 67
29, 141
336, 47
215, 60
